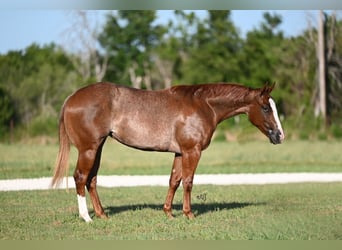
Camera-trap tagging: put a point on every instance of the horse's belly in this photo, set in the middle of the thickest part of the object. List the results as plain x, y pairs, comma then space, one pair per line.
145, 136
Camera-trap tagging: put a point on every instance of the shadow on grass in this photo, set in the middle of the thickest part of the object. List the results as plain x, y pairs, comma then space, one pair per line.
197, 208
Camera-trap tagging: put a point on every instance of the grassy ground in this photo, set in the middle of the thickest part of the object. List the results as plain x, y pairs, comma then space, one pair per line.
293, 211
24, 161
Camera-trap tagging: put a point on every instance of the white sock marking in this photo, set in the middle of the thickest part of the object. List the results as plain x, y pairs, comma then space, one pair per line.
82, 208
276, 118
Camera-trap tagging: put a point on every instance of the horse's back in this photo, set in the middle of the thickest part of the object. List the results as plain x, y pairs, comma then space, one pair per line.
92, 93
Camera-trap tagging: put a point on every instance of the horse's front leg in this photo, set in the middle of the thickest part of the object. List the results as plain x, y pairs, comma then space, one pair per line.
189, 163
175, 179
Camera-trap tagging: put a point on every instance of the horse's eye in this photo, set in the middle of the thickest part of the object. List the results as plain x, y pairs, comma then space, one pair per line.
265, 108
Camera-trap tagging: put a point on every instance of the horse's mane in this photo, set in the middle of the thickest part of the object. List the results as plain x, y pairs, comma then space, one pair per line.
212, 91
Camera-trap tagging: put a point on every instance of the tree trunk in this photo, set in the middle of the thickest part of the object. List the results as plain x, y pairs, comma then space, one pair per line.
322, 67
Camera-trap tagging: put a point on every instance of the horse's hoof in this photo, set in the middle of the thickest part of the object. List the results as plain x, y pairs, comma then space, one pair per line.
189, 215
102, 216
169, 214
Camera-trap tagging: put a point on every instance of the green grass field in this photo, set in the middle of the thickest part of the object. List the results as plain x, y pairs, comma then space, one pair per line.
291, 211
24, 161
294, 211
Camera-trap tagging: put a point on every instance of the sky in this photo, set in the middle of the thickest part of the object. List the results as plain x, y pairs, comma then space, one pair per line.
21, 28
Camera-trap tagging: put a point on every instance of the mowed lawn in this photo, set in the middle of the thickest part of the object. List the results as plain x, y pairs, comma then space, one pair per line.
291, 211
25, 161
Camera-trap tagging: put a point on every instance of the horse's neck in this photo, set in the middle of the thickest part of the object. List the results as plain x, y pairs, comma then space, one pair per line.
232, 100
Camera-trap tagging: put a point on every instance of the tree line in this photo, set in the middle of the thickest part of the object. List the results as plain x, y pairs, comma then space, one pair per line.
132, 49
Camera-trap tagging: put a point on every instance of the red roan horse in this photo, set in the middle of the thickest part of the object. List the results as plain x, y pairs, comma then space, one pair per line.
181, 119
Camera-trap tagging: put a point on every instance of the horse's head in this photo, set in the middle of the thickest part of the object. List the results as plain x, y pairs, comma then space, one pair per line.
263, 114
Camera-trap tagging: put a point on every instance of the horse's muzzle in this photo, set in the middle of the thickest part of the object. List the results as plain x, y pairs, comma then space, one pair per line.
275, 136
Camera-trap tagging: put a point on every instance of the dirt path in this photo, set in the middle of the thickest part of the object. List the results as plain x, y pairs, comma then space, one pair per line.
163, 180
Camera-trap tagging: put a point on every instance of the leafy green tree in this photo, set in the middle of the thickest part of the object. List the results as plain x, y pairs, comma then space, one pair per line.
169, 55
129, 38
215, 45
298, 78
334, 66
261, 50
35, 81
6, 112
295, 76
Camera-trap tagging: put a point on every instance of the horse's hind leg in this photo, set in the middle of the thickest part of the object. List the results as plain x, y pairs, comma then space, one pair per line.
84, 164
91, 184
85, 175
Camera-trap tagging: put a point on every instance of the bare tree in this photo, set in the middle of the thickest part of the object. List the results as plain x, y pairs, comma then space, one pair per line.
165, 70
82, 40
321, 56
135, 80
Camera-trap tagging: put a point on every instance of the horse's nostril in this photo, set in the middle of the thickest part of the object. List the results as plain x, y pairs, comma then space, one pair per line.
280, 135
275, 136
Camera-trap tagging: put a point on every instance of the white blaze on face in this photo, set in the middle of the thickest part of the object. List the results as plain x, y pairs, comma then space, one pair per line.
276, 118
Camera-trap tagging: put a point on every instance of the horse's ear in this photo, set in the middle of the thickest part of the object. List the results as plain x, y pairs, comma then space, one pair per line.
267, 89
272, 86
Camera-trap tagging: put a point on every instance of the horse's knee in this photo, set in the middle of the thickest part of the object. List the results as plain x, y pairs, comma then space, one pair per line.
80, 181
83, 168
187, 183
174, 184
79, 177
